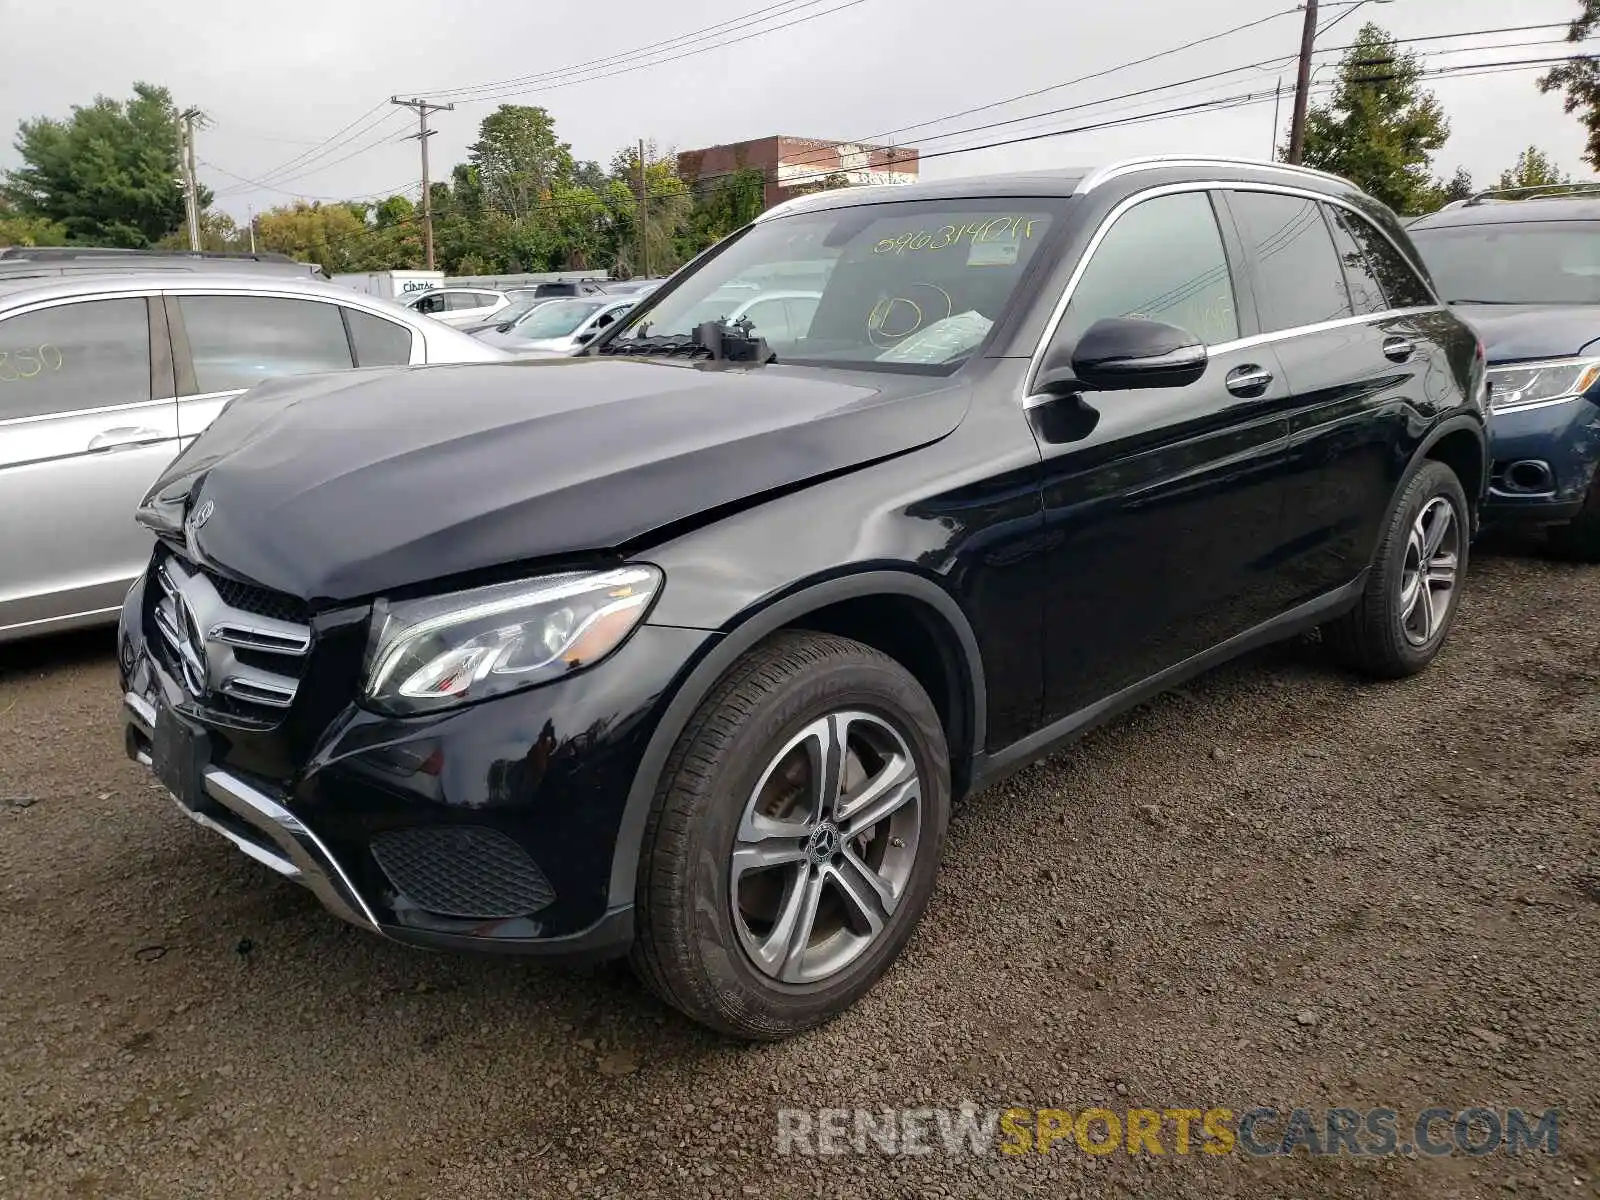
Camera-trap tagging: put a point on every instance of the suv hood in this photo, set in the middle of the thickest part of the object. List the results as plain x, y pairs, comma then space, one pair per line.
334, 487
1512, 332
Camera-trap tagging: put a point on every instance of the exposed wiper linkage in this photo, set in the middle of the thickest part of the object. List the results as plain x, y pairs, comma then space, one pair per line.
719, 341
734, 342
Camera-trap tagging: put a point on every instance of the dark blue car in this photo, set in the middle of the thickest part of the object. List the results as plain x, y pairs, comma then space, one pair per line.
1525, 273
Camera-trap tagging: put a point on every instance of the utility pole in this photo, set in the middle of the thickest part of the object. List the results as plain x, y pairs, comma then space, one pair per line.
1277, 95
191, 192
422, 135
250, 208
1302, 87
644, 214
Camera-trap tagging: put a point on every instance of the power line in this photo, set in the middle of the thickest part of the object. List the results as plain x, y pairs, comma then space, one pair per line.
316, 151
761, 14
628, 70
302, 195
386, 139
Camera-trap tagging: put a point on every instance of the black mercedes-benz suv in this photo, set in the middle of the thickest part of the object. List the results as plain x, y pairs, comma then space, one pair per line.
684, 647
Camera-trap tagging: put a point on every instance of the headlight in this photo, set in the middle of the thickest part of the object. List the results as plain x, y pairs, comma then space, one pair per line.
444, 651
1541, 383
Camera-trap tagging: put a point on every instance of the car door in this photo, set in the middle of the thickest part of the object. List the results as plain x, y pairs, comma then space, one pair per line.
87, 422
227, 342
1358, 368
1161, 504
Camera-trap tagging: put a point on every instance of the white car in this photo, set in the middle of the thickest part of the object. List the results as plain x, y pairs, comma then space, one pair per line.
459, 307
561, 326
776, 316
105, 378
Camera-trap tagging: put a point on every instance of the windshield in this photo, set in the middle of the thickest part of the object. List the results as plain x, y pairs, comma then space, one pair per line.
908, 286
518, 306
557, 318
1526, 262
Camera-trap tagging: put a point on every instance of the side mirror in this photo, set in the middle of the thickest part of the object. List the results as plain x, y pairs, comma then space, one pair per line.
583, 339
1119, 353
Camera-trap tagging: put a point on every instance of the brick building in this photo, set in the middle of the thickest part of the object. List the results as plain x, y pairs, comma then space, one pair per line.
791, 163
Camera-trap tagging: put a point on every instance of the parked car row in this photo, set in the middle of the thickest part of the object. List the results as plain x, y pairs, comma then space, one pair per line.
479, 310
682, 648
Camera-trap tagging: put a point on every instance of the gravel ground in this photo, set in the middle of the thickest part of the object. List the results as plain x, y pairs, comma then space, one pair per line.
1276, 887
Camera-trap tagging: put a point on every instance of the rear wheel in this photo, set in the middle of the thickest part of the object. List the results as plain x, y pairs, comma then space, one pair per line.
1415, 581
795, 837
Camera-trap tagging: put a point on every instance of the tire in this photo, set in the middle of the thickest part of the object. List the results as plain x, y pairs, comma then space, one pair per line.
1579, 539
1386, 635
754, 745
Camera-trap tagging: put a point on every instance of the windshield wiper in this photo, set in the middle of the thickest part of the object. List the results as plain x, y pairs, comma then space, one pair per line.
1475, 300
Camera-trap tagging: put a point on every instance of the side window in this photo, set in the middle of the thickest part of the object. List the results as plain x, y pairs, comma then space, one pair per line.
477, 299
430, 304
1366, 294
1162, 260
1398, 277
237, 341
378, 343
94, 354
1298, 280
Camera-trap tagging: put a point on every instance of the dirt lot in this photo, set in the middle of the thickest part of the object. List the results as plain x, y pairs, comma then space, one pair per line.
1278, 887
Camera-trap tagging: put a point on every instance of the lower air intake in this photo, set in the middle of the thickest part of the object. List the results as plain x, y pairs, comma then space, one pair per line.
463, 871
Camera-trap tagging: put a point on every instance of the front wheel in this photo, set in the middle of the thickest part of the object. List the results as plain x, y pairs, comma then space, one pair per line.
794, 839
1415, 581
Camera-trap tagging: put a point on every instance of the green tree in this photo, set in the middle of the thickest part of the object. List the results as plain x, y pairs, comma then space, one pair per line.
1534, 168
107, 174
725, 203
1579, 78
519, 159
1380, 126
335, 236
668, 209
18, 230
217, 232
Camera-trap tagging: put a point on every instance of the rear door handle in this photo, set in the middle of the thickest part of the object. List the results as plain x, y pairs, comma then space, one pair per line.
1398, 349
125, 437
1248, 380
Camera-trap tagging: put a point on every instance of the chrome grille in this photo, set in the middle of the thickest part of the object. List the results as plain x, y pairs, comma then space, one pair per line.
204, 633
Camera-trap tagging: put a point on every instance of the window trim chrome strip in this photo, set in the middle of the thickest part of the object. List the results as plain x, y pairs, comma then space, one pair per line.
1035, 360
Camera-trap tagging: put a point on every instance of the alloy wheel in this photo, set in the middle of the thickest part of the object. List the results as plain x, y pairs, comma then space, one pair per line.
1428, 579
825, 847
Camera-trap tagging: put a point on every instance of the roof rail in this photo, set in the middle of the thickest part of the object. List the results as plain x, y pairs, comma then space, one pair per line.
1531, 192
73, 253
1128, 166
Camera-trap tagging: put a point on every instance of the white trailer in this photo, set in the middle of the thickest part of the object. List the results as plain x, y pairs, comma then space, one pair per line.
392, 285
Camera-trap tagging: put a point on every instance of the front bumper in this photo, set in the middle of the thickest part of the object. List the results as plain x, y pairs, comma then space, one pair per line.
1563, 440
257, 824
404, 826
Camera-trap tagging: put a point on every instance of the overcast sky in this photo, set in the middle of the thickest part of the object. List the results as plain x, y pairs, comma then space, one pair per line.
276, 80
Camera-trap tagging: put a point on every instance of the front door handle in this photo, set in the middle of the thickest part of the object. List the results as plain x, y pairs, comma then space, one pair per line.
125, 437
1398, 349
1249, 380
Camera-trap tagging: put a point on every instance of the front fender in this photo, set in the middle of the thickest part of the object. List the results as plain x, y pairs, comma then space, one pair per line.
746, 629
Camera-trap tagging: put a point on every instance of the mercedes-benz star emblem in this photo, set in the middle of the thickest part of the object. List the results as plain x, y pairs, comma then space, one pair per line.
192, 650
202, 514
